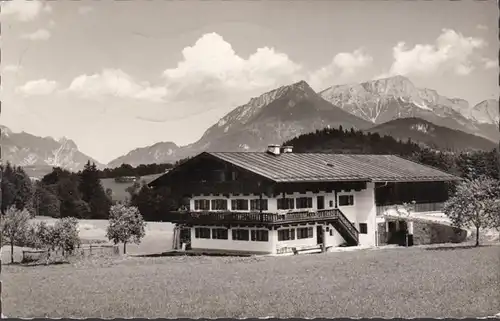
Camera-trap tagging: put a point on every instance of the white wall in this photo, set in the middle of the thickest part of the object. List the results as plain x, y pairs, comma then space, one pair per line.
333, 240
232, 245
363, 211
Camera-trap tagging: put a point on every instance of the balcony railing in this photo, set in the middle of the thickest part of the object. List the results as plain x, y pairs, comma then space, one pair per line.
417, 208
250, 217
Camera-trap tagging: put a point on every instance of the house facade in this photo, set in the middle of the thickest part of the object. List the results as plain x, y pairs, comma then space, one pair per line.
277, 201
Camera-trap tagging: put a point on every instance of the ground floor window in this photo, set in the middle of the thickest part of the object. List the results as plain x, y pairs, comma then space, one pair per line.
260, 235
363, 228
202, 232
202, 205
304, 232
286, 235
219, 234
241, 235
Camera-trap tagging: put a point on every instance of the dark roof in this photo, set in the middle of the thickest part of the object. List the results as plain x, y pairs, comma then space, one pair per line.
315, 167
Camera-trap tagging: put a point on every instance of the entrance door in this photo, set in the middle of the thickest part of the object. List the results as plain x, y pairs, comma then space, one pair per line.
320, 202
319, 234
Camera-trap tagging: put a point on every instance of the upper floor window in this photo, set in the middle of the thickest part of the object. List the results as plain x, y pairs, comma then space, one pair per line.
219, 205
304, 202
239, 205
286, 203
346, 200
258, 204
202, 205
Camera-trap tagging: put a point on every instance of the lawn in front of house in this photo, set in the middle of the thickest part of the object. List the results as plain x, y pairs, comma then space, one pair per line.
406, 282
158, 237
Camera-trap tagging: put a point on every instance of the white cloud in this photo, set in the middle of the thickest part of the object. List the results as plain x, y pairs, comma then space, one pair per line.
52, 23
12, 68
114, 82
482, 27
211, 66
40, 34
210, 76
38, 87
24, 10
452, 52
83, 10
490, 63
342, 68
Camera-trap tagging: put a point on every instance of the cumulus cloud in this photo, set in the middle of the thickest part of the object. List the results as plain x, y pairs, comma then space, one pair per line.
210, 76
24, 10
83, 10
114, 82
452, 52
343, 66
38, 87
40, 34
211, 67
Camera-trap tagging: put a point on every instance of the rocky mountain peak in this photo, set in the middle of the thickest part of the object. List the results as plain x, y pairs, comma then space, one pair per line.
487, 112
67, 143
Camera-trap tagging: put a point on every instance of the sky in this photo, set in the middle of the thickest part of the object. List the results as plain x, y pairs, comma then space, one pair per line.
117, 75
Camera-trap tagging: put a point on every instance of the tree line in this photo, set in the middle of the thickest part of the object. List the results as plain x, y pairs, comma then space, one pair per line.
138, 171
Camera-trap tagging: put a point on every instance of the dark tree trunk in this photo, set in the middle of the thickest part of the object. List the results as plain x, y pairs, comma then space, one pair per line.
477, 235
11, 251
124, 247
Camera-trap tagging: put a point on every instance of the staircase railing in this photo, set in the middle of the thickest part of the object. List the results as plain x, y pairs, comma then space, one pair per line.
349, 226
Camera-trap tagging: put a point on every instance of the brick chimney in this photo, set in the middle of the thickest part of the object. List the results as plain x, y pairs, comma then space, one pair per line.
273, 149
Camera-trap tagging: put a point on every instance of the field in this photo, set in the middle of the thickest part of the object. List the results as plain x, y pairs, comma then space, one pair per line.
411, 282
158, 237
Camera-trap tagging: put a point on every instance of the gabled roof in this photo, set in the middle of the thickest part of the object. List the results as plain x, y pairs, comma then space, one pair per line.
321, 167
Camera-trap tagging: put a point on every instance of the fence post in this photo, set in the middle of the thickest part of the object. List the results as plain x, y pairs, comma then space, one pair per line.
90, 252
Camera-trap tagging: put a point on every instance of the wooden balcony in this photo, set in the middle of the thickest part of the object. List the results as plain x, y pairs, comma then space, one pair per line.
222, 218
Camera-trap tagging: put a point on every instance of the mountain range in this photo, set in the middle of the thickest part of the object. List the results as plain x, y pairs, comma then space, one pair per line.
390, 106
39, 153
431, 135
396, 97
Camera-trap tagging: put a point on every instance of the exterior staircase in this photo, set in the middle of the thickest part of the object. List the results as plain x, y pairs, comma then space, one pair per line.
346, 229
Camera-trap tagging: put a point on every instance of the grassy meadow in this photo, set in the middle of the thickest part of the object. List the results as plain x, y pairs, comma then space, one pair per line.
401, 282
158, 237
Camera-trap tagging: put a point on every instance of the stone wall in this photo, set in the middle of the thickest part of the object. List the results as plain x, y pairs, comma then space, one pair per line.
432, 233
427, 233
